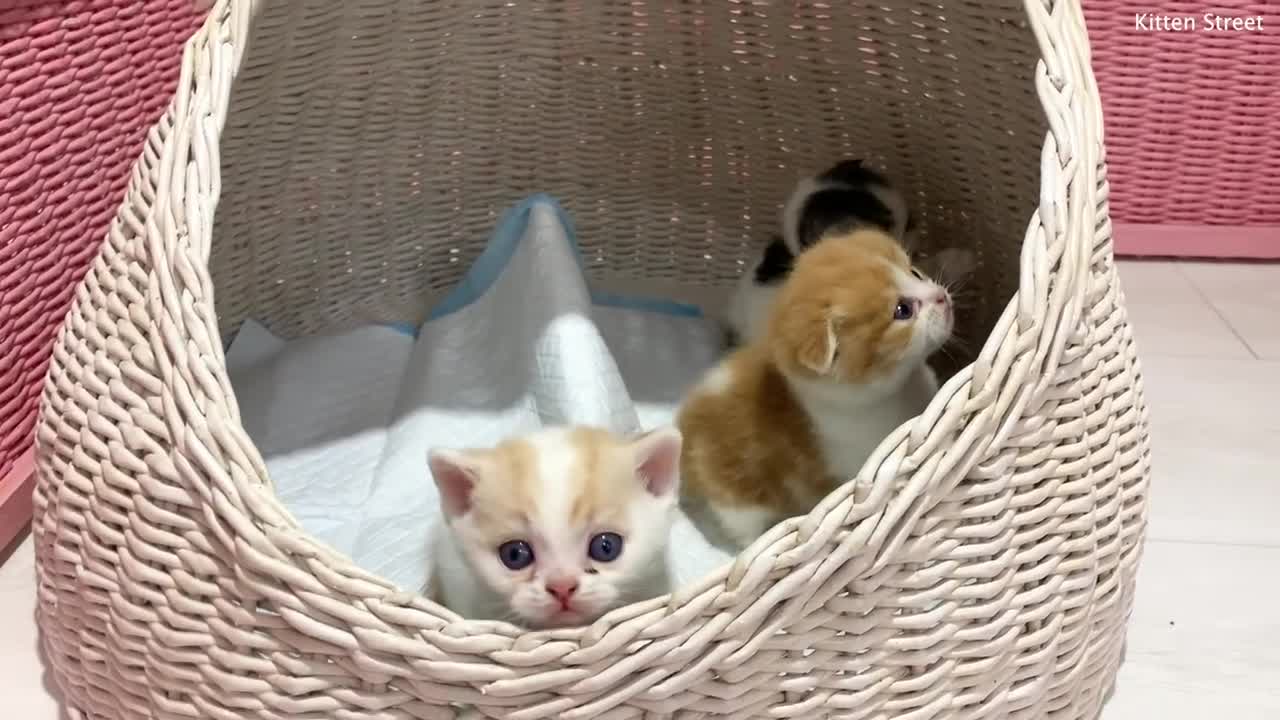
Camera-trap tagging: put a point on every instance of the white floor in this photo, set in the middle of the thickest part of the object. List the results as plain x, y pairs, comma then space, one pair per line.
1205, 637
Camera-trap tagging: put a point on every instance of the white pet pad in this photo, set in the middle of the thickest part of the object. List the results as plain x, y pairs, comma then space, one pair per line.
344, 422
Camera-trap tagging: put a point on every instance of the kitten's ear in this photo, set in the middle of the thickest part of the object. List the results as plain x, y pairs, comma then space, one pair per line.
817, 343
657, 456
455, 473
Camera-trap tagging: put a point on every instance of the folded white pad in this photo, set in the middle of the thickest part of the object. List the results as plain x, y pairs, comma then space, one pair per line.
345, 421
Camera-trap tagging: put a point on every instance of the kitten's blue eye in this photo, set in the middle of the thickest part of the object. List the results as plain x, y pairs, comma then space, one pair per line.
515, 554
605, 547
904, 309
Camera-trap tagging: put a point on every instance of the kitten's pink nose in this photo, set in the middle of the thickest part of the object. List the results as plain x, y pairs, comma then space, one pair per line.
942, 298
562, 589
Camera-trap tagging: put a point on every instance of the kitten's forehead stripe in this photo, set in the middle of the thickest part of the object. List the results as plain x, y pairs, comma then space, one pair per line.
520, 461
584, 478
604, 480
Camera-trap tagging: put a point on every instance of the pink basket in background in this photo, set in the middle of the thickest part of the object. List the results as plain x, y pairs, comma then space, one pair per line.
1192, 126
80, 84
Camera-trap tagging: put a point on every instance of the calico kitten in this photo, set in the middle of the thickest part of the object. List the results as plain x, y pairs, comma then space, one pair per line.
555, 528
842, 363
841, 199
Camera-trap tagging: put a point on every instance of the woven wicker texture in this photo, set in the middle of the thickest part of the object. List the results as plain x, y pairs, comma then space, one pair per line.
355, 155
1192, 130
80, 83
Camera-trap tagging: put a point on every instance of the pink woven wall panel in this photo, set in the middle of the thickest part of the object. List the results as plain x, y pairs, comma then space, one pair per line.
1192, 116
80, 84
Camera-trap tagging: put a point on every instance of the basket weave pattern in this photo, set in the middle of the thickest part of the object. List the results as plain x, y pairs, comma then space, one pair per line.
354, 153
80, 82
1191, 116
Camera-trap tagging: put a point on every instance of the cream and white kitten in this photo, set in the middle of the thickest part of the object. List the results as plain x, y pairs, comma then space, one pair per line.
555, 528
841, 363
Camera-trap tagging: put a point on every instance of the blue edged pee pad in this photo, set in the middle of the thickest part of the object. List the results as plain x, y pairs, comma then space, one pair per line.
344, 421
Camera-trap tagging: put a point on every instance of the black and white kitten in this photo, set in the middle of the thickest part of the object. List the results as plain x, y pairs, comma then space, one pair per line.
845, 197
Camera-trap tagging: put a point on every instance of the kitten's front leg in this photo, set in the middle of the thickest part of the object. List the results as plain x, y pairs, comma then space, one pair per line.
745, 524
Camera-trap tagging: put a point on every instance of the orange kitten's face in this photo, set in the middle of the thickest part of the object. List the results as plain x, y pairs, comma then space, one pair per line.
565, 524
855, 310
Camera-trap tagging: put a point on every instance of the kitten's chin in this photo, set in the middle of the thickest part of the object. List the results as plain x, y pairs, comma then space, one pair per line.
566, 618
932, 349
558, 619
539, 616
934, 341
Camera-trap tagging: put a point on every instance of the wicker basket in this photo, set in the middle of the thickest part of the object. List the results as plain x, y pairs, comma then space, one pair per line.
1192, 131
1194, 135
325, 164
80, 83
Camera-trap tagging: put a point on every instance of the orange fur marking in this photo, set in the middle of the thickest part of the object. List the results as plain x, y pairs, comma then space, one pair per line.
749, 442
838, 304
605, 479
502, 501
600, 477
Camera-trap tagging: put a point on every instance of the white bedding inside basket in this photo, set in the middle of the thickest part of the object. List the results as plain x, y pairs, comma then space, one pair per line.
345, 421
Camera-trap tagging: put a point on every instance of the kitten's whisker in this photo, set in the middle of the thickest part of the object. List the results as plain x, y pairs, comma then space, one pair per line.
947, 348
959, 352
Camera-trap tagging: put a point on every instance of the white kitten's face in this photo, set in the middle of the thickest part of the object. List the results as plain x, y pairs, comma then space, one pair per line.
564, 525
558, 570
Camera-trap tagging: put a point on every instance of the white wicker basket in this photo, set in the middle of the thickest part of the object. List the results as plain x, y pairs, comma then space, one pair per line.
988, 574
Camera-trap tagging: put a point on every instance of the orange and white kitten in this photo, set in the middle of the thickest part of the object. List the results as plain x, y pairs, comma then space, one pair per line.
555, 528
840, 364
